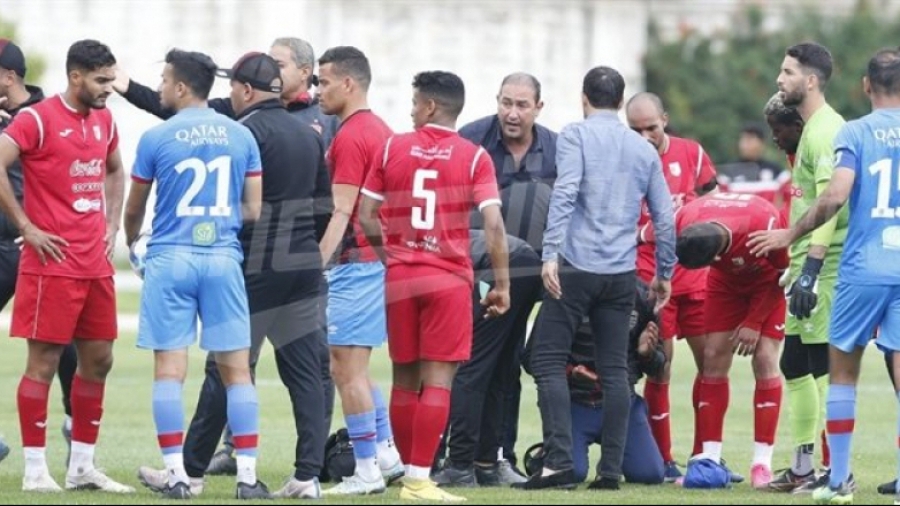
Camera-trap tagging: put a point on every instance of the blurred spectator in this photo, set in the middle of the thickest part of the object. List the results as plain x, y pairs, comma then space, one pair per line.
752, 173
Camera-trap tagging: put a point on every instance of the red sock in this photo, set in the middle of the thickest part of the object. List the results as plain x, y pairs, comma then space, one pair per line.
826, 451
712, 405
695, 399
766, 408
32, 398
404, 405
657, 397
87, 410
430, 422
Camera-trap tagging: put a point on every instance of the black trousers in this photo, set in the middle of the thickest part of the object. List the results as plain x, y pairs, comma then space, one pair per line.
608, 300
9, 271
485, 389
296, 331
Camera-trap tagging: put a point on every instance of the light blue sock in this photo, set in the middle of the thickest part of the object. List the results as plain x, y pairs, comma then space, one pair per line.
898, 442
382, 419
362, 431
840, 420
243, 418
168, 414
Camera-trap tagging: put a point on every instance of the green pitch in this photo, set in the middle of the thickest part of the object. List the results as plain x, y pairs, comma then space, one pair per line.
128, 440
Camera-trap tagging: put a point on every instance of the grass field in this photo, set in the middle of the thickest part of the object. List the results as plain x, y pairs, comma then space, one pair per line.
128, 439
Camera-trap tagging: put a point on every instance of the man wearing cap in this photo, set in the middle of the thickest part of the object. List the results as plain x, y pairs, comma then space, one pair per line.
282, 271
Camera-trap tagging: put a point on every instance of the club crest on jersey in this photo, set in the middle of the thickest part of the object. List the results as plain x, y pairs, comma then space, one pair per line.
675, 169
97, 134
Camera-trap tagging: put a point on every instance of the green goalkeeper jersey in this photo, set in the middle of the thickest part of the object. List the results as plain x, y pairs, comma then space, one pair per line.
813, 167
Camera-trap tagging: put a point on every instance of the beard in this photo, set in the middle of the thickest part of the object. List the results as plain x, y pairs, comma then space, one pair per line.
94, 102
793, 98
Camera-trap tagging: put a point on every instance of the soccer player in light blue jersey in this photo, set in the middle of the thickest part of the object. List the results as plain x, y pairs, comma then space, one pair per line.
207, 171
867, 296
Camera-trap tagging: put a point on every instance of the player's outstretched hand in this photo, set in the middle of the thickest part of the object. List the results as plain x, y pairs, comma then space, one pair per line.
550, 275
660, 292
496, 302
744, 341
122, 81
44, 244
763, 242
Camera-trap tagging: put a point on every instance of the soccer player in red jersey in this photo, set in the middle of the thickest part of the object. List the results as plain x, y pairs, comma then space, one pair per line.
356, 316
744, 312
689, 173
68, 147
417, 201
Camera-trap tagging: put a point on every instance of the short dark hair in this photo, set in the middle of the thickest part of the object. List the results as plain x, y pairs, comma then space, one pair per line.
884, 72
698, 245
89, 55
348, 60
814, 58
755, 129
196, 70
604, 88
445, 88
524, 78
782, 114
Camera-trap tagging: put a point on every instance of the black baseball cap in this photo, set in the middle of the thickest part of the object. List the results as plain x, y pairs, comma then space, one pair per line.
259, 70
11, 57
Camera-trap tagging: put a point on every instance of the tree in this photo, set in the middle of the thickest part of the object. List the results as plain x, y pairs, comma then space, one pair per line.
35, 63
713, 85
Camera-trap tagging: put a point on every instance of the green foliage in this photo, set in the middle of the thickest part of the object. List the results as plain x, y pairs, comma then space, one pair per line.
713, 85
35, 63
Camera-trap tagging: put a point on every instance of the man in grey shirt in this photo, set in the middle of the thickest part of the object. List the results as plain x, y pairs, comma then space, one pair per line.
605, 172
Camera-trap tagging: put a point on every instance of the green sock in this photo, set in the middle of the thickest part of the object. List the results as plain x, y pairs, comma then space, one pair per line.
804, 412
822, 384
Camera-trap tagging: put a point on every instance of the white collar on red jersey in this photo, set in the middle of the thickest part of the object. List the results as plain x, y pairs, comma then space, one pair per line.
439, 127
71, 109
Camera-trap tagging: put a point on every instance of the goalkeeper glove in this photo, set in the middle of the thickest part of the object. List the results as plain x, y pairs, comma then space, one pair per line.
804, 292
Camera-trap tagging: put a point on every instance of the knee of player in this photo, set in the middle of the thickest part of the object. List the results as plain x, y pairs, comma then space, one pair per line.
96, 367
766, 362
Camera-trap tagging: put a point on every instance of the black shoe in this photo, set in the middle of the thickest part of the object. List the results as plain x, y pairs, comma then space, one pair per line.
255, 491
180, 491
488, 476
563, 480
452, 476
604, 483
889, 488
222, 463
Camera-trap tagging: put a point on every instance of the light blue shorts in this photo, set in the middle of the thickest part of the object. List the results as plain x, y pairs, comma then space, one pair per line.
858, 310
356, 305
179, 287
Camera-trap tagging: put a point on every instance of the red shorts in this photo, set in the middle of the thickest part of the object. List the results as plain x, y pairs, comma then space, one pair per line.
429, 315
683, 316
55, 309
727, 309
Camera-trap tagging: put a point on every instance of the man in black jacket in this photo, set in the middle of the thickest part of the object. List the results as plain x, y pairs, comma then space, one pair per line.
478, 404
15, 95
642, 463
282, 272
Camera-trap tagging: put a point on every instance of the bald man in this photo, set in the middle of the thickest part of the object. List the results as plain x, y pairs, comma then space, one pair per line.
689, 174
